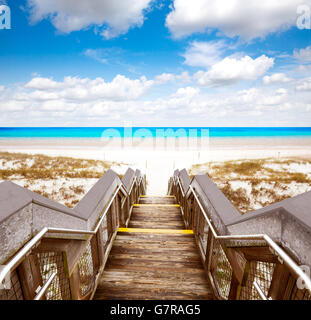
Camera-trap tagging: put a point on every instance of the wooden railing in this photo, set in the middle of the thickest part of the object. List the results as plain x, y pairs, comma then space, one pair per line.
64, 264
239, 267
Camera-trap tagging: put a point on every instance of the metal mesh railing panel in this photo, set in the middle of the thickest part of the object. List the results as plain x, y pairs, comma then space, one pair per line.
15, 290
298, 294
222, 270
49, 263
261, 273
86, 270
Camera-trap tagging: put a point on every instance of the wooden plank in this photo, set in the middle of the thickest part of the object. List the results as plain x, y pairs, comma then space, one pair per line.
155, 251
157, 260
162, 231
150, 285
146, 268
157, 208
155, 293
155, 218
155, 237
156, 196
258, 253
156, 243
152, 257
112, 273
154, 263
163, 226
156, 200
156, 205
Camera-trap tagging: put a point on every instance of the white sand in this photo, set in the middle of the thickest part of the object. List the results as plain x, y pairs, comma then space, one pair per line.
159, 162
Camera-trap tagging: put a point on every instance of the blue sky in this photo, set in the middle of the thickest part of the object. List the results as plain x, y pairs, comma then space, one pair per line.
156, 63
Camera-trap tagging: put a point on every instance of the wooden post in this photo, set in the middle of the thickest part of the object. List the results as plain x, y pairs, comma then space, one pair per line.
113, 212
209, 248
279, 282
234, 288
109, 224
237, 262
30, 276
95, 255
127, 208
100, 246
75, 284
122, 213
119, 211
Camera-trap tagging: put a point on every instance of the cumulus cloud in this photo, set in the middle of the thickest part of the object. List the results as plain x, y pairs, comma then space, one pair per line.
73, 88
164, 78
254, 99
76, 101
204, 54
62, 106
303, 55
247, 19
304, 85
275, 78
167, 77
43, 84
112, 17
231, 70
188, 92
184, 77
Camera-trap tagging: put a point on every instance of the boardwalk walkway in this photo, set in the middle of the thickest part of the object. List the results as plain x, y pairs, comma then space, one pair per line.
154, 258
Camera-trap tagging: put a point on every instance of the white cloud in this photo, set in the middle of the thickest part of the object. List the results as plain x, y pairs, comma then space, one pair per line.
43, 84
95, 54
167, 77
73, 15
73, 88
164, 78
12, 105
247, 19
58, 105
184, 77
188, 92
204, 54
258, 99
304, 85
75, 101
276, 78
303, 55
281, 91
304, 68
232, 70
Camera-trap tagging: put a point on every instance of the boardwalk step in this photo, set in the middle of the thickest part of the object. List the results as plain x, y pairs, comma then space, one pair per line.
155, 257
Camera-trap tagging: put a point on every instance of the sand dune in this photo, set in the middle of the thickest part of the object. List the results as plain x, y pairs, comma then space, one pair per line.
159, 160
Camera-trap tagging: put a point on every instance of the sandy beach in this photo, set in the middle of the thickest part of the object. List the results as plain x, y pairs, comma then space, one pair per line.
159, 158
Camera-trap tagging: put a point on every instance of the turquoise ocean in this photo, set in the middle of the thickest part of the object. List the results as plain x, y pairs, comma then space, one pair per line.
98, 132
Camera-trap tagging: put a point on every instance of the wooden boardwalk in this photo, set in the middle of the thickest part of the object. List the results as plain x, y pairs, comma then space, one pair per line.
154, 258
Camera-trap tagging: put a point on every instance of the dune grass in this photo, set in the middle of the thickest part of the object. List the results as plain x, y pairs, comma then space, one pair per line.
63, 179
269, 180
40, 166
